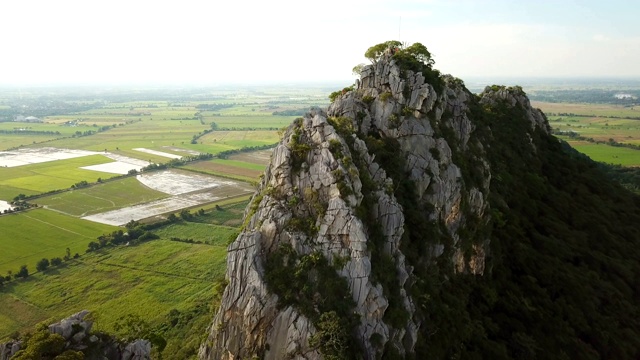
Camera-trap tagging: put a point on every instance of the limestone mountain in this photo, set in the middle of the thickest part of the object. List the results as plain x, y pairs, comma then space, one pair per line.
414, 219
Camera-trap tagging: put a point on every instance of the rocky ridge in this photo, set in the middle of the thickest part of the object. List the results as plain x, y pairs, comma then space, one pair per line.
342, 192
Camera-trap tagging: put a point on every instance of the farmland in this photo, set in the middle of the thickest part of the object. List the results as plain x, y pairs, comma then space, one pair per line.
241, 170
102, 197
36, 234
603, 124
38, 178
118, 282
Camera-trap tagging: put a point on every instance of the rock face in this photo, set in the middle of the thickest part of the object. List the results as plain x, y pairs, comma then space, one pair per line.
7, 350
346, 186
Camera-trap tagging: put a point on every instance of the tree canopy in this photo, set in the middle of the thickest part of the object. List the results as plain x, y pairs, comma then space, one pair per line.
417, 51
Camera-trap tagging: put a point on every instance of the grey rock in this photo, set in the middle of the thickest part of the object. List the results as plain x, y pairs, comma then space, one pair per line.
432, 129
8, 349
137, 350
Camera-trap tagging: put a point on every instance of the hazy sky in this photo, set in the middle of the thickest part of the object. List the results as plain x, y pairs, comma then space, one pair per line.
249, 41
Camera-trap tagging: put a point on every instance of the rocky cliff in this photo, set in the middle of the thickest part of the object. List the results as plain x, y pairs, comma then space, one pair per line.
363, 205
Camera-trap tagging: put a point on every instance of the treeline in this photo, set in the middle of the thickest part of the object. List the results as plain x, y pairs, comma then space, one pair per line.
597, 96
290, 112
214, 107
593, 115
138, 232
611, 142
29, 132
42, 265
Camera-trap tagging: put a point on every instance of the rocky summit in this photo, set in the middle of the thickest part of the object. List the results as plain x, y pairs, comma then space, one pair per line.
368, 215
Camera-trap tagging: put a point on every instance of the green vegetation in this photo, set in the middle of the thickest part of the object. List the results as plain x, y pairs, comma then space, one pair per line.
173, 287
101, 198
608, 154
47, 176
563, 260
312, 285
199, 232
30, 236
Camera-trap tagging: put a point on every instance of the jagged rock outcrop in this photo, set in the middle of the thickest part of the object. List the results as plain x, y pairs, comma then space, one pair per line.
8, 349
76, 332
340, 189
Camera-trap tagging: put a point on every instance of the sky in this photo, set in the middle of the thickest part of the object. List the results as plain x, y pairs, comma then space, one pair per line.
211, 42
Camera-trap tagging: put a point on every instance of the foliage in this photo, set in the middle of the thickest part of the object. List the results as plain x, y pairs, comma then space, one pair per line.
376, 51
42, 345
312, 286
299, 147
22, 273
331, 338
132, 327
563, 259
334, 95
357, 70
42, 265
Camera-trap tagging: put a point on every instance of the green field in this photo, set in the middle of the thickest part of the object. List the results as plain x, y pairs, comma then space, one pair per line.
101, 197
596, 110
30, 236
600, 123
253, 122
608, 154
206, 233
119, 281
52, 175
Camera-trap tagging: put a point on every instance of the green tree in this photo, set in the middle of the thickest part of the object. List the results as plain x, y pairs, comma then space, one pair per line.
42, 265
23, 272
41, 345
93, 246
56, 261
357, 70
376, 51
331, 338
420, 52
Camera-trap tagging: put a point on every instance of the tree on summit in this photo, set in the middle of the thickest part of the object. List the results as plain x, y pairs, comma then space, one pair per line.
416, 53
376, 51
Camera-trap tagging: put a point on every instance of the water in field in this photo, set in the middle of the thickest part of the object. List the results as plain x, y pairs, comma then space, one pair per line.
4, 206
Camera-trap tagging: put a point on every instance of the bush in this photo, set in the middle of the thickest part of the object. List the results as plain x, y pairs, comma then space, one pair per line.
22, 273
42, 265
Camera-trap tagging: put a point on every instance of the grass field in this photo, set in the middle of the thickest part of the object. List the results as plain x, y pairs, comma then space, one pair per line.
230, 214
241, 138
52, 175
231, 168
598, 110
608, 154
101, 197
206, 233
117, 282
599, 126
258, 121
30, 236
